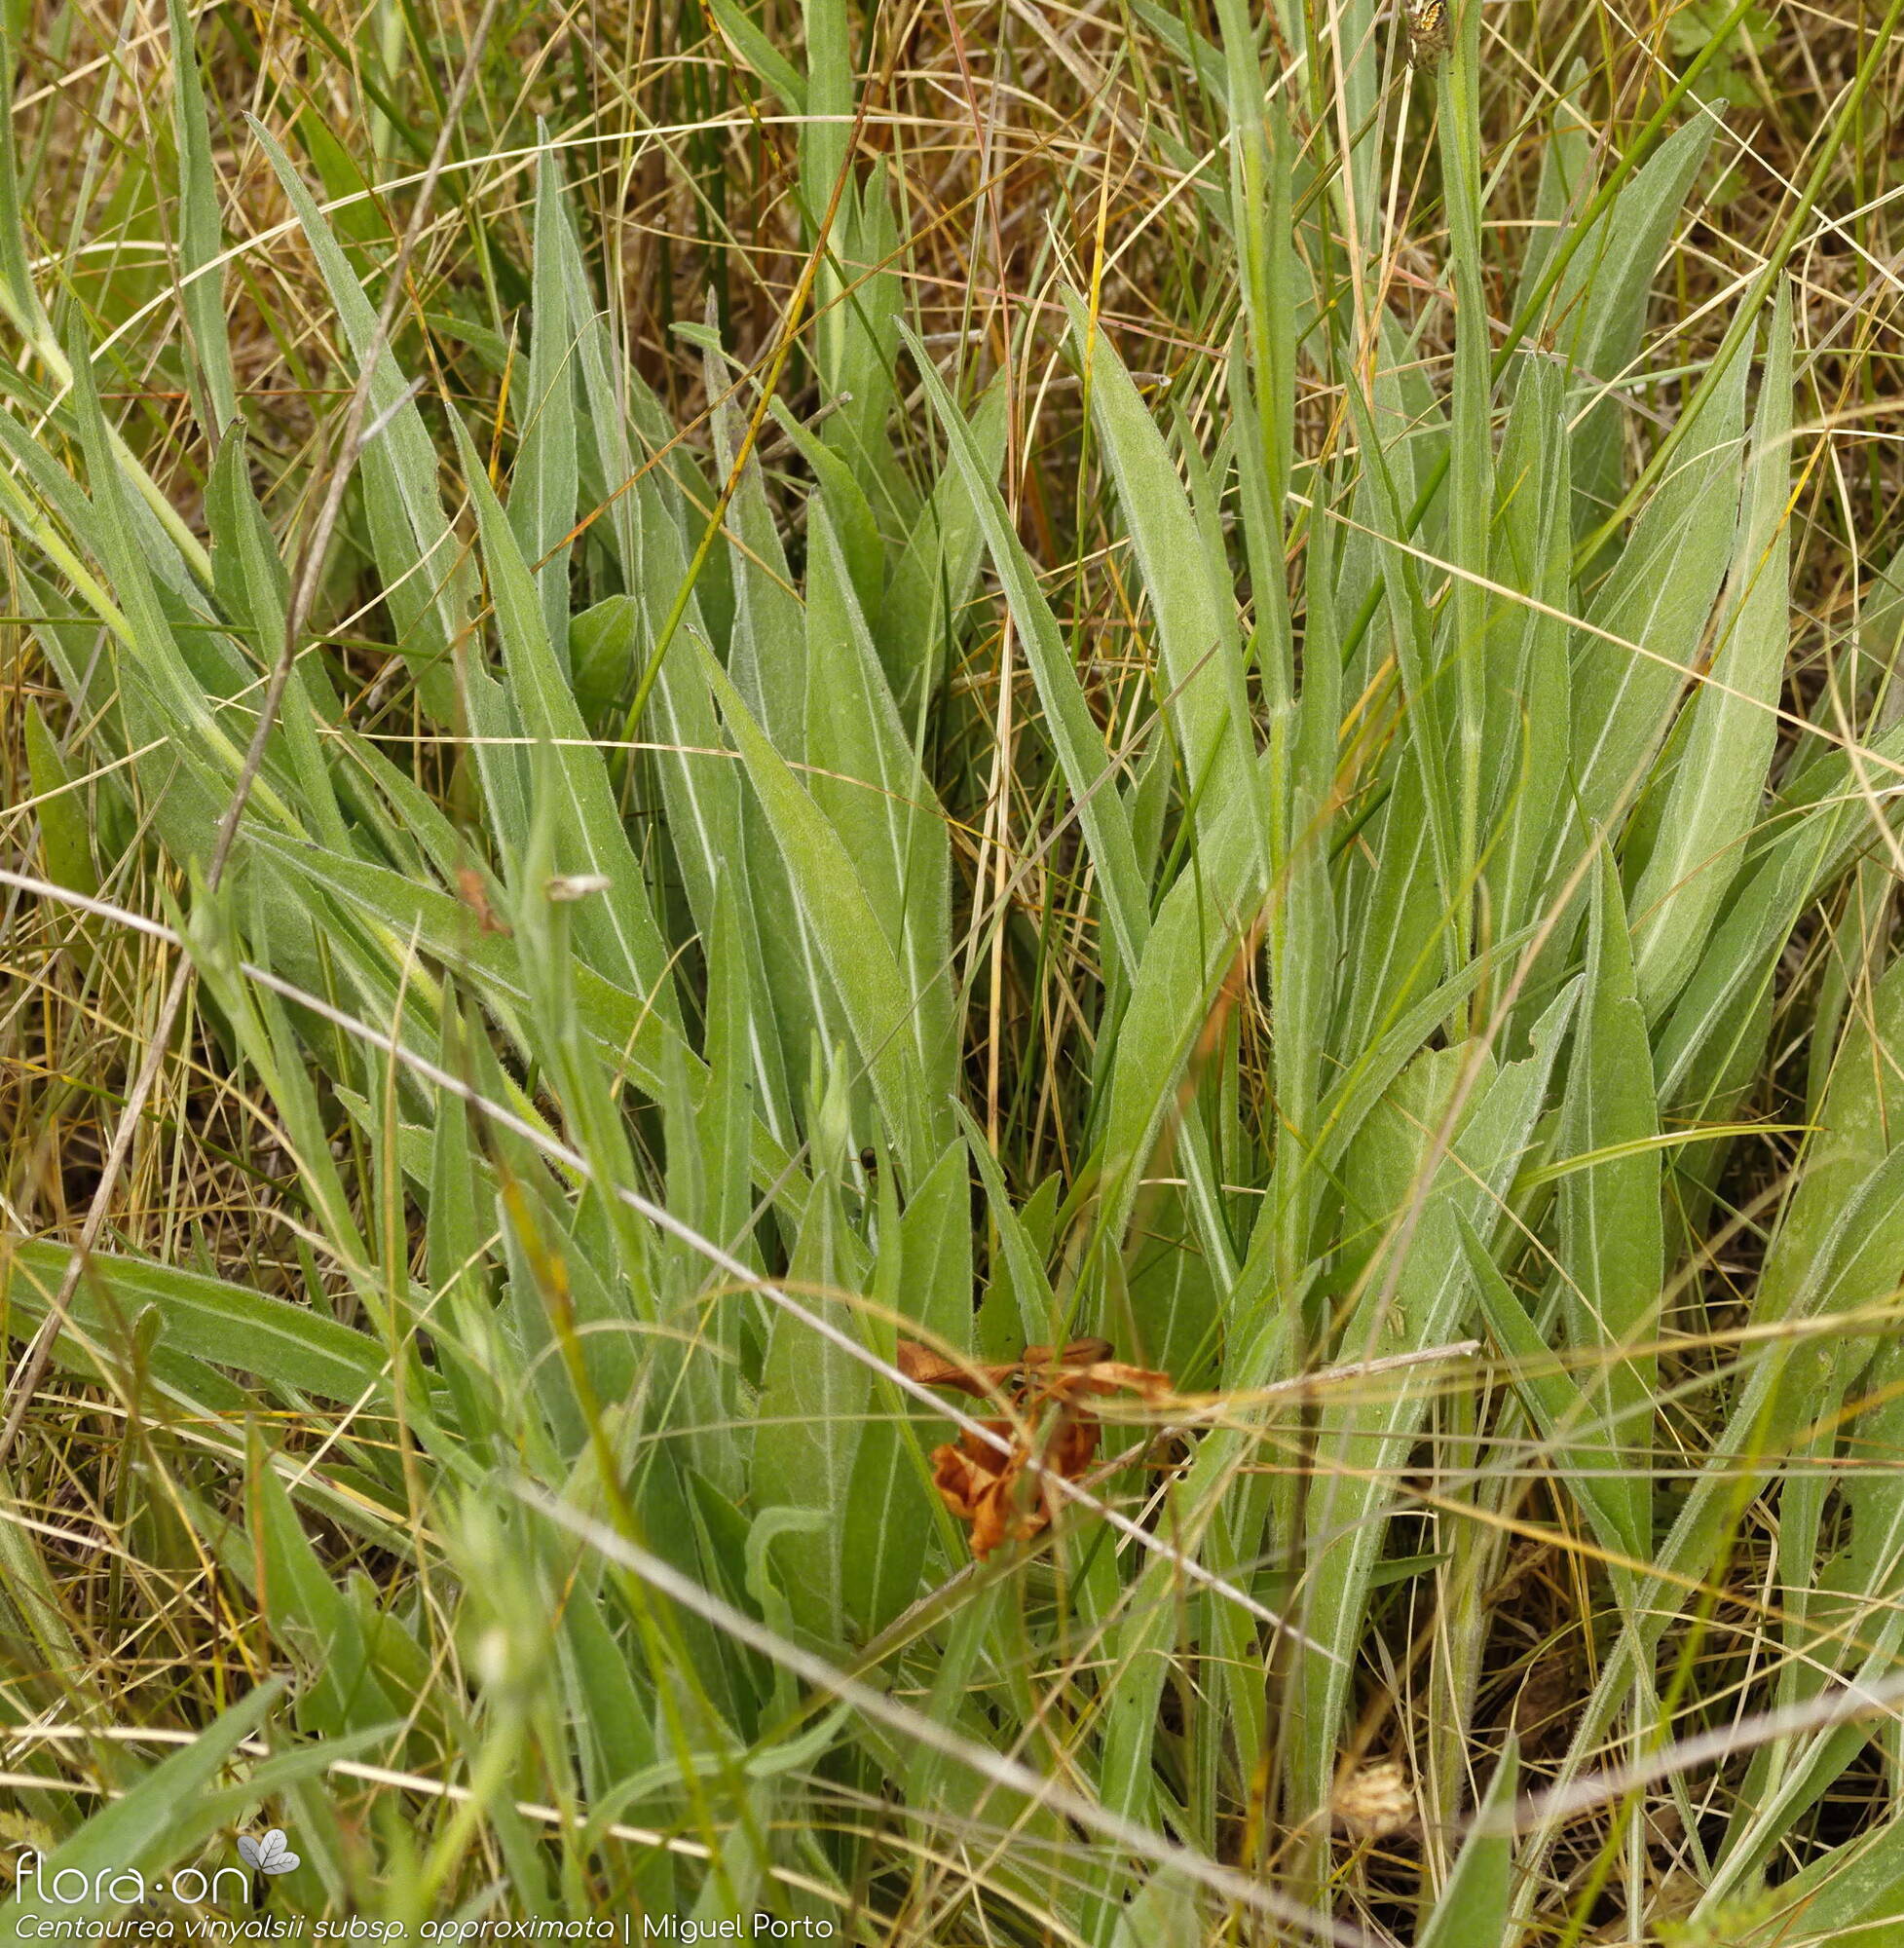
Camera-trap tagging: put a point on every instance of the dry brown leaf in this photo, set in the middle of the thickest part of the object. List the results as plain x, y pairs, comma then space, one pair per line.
1082, 1367
1108, 1376
933, 1369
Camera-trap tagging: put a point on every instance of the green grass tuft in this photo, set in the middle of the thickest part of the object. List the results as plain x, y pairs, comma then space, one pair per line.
970, 679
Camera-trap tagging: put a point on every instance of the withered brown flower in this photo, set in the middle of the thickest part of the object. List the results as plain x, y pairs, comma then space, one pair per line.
979, 1483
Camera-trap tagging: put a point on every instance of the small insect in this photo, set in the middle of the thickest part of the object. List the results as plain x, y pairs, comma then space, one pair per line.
869, 1160
475, 896
1429, 32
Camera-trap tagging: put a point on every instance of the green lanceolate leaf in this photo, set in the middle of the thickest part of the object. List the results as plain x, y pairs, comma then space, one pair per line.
427, 576
1716, 792
1202, 655
543, 484
868, 782
814, 1401
760, 53
1472, 1910
614, 930
1573, 1424
65, 836
1850, 1896
1528, 705
1210, 917
1647, 618
872, 991
890, 1503
1612, 1237
209, 1318
1777, 1397
1413, 1295
1601, 302
930, 586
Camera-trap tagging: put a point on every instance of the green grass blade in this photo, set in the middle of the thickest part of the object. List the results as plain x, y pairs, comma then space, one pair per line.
201, 239
1076, 737
427, 578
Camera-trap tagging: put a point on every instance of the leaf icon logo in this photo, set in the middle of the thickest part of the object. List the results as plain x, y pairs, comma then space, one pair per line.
269, 1856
